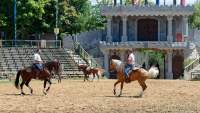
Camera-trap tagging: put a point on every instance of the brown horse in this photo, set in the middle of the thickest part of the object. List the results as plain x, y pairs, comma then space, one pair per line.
89, 70
27, 74
139, 74
55, 69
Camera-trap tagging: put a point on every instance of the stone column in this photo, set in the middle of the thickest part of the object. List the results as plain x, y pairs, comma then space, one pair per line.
109, 23
122, 55
169, 33
169, 65
185, 27
124, 36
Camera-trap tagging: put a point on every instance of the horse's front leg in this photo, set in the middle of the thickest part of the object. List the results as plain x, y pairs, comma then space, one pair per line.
122, 84
49, 81
27, 84
59, 78
93, 76
85, 75
45, 82
114, 90
97, 76
21, 86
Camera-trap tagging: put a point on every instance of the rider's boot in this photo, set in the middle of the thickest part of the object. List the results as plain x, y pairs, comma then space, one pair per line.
127, 79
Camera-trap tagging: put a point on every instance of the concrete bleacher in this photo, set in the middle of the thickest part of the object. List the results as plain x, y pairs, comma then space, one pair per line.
13, 59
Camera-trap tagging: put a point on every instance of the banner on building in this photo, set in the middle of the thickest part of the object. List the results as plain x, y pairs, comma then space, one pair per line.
136, 2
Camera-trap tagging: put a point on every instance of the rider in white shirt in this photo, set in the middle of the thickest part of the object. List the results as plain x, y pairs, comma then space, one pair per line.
38, 63
130, 63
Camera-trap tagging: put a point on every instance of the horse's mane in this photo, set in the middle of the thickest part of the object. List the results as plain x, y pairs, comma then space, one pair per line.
119, 64
49, 65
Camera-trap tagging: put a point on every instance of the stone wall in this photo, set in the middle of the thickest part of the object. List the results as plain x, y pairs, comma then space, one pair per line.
88, 40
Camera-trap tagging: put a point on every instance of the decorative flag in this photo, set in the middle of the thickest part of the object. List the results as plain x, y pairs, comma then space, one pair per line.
182, 2
157, 2
174, 2
136, 2
120, 2
145, 2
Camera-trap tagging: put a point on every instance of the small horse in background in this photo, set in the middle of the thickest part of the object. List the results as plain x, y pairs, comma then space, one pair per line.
27, 74
140, 74
89, 70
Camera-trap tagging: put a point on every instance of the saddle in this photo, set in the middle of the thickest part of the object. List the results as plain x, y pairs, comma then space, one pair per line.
134, 69
37, 70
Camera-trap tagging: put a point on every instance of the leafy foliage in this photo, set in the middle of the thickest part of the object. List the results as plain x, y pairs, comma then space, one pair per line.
38, 16
30, 16
195, 19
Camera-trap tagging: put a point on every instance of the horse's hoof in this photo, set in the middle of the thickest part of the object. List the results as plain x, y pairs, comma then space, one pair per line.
120, 94
31, 91
45, 93
114, 92
141, 94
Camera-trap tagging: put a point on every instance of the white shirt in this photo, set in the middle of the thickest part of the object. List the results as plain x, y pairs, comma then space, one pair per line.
37, 58
131, 59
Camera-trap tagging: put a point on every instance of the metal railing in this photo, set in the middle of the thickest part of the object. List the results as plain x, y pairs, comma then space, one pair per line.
192, 65
88, 59
31, 43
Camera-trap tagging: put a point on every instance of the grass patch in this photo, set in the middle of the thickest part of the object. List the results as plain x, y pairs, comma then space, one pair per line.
4, 81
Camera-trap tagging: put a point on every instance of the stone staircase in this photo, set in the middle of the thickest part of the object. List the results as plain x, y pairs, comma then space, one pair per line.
192, 71
13, 59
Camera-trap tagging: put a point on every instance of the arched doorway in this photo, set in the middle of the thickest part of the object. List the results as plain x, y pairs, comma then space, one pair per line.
177, 66
147, 30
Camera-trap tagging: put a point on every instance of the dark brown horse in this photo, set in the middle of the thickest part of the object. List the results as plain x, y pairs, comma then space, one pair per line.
27, 74
55, 69
139, 74
89, 70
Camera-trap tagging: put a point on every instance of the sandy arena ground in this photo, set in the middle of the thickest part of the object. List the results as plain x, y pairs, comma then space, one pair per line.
75, 96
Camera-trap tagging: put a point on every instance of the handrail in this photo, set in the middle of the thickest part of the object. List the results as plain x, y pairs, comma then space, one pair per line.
89, 59
31, 43
192, 64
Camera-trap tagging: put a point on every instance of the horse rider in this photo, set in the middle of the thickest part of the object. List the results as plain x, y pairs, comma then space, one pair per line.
38, 63
130, 63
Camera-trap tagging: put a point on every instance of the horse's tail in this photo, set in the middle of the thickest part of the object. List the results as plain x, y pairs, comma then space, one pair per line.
17, 79
153, 72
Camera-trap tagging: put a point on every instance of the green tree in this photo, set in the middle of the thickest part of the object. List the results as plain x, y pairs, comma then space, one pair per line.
6, 18
195, 18
30, 17
38, 16
150, 2
68, 16
88, 17
95, 21
104, 2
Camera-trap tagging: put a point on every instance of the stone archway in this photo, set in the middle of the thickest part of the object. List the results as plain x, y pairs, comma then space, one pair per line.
177, 65
147, 30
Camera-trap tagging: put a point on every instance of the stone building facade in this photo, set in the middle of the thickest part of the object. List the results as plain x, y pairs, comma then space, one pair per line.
161, 28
